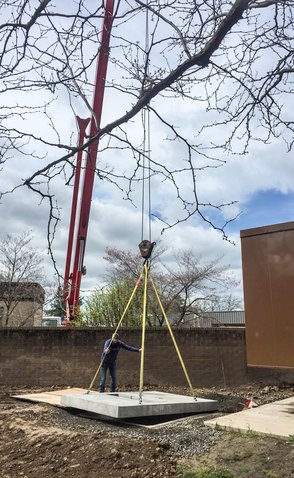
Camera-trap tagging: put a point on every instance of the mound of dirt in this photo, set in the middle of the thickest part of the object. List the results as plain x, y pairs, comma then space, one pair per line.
38, 440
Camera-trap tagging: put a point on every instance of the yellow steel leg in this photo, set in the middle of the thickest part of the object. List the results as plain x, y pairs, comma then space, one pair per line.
173, 338
117, 327
143, 333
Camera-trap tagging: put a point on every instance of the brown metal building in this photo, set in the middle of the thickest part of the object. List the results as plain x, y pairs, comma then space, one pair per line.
268, 280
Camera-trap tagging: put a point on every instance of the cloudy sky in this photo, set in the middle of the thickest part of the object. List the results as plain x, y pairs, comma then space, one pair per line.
261, 183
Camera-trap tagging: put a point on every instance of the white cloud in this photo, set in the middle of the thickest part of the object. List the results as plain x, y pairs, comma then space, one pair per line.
115, 222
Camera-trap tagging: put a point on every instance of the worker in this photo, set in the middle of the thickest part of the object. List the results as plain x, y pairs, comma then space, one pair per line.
109, 356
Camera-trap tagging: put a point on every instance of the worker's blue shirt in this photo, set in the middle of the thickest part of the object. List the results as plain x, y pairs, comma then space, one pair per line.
108, 359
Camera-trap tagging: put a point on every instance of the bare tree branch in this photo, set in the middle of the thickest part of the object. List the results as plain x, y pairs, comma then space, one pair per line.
233, 59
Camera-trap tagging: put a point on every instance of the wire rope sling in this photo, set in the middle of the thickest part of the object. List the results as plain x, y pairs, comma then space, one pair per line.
146, 246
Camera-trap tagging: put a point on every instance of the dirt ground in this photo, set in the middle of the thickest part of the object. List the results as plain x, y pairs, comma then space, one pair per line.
41, 441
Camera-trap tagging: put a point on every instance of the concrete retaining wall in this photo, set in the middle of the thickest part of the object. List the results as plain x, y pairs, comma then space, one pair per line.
46, 357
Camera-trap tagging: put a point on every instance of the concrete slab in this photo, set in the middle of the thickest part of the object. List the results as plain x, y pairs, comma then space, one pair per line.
275, 419
126, 404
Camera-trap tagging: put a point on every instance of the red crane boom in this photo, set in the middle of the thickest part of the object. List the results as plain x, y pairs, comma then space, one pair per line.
72, 280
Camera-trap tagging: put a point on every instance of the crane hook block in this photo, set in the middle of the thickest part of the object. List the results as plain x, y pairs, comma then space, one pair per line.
146, 248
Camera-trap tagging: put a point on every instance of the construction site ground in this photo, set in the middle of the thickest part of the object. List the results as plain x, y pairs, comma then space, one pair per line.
42, 441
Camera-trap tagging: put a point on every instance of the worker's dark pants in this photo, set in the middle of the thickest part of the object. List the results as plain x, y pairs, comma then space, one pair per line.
112, 370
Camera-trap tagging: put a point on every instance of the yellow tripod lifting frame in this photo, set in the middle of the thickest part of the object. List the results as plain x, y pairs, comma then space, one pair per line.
145, 275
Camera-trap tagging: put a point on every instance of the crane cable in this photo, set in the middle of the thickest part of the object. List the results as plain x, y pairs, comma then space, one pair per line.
145, 155
146, 144
146, 152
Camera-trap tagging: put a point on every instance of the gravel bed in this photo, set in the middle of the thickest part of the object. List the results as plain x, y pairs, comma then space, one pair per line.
184, 437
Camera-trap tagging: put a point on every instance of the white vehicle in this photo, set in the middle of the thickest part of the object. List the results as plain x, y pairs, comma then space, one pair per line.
51, 321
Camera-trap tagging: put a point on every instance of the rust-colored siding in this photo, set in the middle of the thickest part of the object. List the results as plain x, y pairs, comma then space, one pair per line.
268, 280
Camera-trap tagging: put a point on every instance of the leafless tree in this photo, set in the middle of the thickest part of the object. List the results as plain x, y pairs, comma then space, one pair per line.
226, 302
184, 289
231, 59
20, 275
127, 265
189, 284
